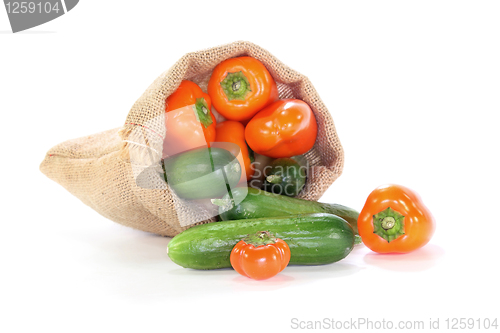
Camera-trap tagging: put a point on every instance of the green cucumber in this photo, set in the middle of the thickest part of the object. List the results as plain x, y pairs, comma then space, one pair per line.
284, 176
202, 172
314, 239
253, 203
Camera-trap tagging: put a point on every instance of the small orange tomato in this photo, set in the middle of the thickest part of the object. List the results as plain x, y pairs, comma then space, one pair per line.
234, 132
240, 87
260, 256
285, 128
395, 220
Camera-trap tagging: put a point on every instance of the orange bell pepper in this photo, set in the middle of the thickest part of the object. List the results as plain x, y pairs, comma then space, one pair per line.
395, 220
188, 119
285, 128
234, 132
240, 87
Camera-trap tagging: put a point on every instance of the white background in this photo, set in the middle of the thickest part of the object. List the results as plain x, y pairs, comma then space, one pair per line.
413, 88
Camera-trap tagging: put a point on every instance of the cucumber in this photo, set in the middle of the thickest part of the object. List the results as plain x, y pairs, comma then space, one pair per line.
284, 176
202, 173
258, 203
314, 239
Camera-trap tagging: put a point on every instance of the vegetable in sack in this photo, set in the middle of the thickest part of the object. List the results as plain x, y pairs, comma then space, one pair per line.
284, 176
234, 132
202, 172
193, 124
240, 87
260, 256
283, 129
395, 220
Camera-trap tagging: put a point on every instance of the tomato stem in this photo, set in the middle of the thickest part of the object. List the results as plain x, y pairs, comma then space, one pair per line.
235, 86
260, 238
389, 224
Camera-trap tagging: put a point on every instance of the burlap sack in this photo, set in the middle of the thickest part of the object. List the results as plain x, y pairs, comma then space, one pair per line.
103, 169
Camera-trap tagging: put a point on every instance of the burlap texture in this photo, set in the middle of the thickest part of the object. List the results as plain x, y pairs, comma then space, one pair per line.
101, 169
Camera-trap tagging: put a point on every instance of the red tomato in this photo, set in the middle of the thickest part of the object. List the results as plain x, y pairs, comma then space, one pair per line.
260, 256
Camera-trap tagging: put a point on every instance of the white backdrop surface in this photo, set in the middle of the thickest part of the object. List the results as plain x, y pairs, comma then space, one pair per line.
413, 88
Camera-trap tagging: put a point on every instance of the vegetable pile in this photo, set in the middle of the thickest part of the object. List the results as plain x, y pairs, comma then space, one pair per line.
242, 92
118, 172
263, 226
